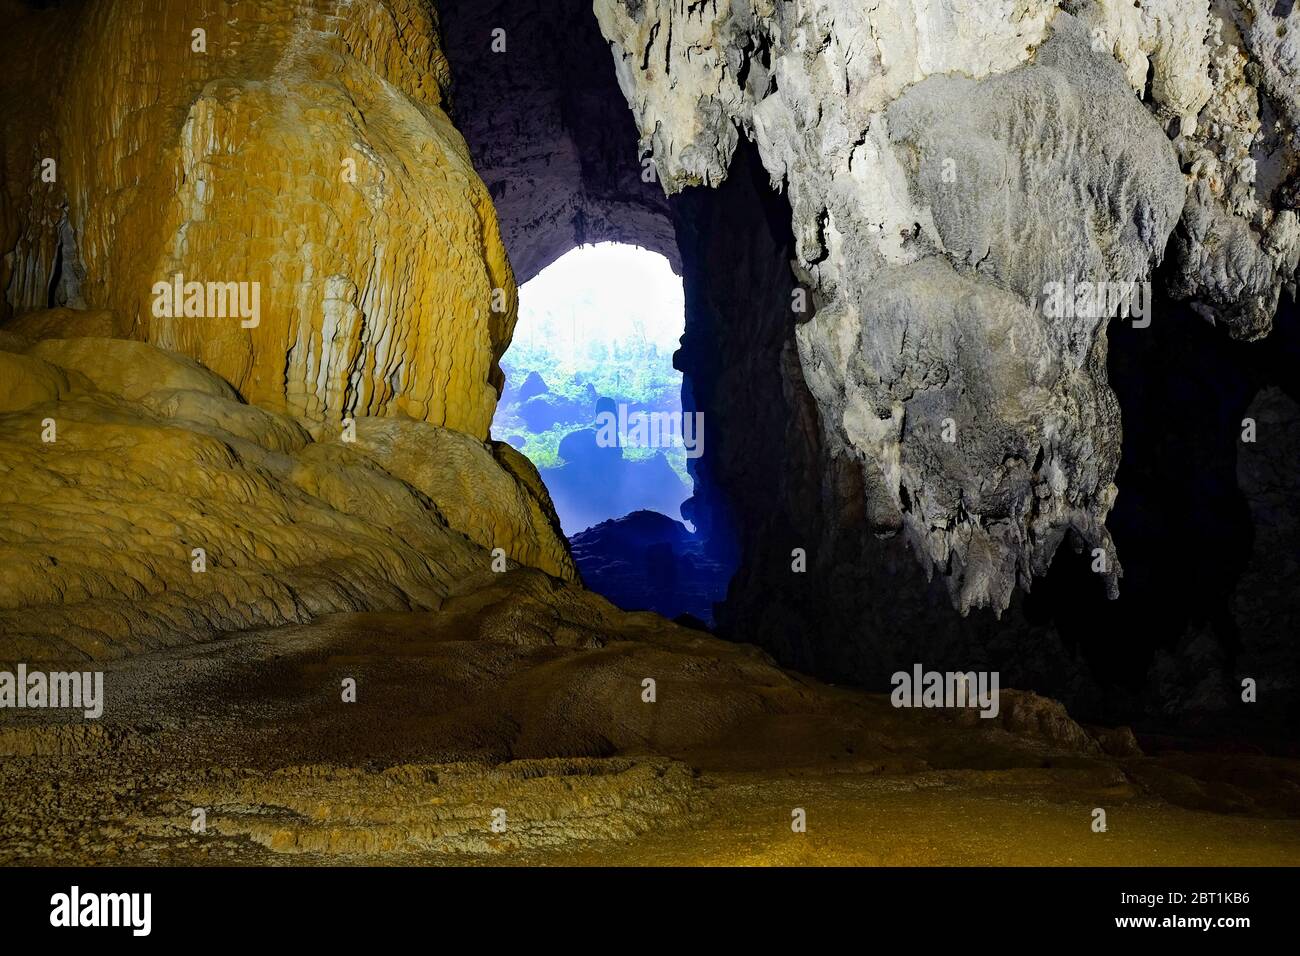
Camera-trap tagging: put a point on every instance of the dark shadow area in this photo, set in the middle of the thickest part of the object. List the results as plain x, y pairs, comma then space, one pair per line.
647, 561
1205, 524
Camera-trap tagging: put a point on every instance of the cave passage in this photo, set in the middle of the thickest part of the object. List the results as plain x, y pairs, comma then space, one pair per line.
592, 398
355, 367
590, 367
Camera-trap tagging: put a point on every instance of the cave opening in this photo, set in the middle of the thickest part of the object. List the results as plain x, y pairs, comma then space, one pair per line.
594, 401
580, 185
591, 395
749, 331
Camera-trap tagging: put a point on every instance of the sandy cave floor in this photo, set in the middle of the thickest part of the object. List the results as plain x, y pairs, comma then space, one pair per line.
523, 694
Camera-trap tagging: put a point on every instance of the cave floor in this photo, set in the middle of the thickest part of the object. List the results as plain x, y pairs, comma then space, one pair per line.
519, 703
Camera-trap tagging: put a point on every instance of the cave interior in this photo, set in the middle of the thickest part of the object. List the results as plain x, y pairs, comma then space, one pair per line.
419, 558
768, 485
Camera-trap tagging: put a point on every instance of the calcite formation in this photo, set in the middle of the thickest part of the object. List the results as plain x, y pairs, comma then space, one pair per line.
277, 298
297, 148
321, 481
144, 504
512, 727
488, 491
948, 167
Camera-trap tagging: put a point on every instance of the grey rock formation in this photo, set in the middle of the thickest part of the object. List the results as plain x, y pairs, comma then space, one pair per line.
549, 143
947, 171
1267, 604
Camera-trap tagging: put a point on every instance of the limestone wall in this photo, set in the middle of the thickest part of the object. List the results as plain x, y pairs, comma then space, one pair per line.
302, 146
947, 162
168, 476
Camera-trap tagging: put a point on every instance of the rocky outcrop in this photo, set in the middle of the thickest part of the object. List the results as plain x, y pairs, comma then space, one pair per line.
646, 561
295, 147
144, 504
488, 491
1225, 76
551, 144
947, 171
278, 296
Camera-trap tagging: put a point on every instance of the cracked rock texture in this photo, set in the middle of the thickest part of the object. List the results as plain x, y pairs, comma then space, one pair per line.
304, 148
154, 456
945, 163
131, 438
523, 695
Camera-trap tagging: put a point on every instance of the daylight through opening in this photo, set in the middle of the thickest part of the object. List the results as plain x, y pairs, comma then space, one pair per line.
591, 396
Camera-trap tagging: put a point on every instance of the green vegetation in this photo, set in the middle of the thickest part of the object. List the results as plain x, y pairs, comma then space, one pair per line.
635, 373
600, 322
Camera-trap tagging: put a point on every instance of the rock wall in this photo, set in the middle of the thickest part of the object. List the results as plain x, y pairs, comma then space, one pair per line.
1267, 604
145, 504
170, 476
945, 168
301, 146
531, 83
741, 368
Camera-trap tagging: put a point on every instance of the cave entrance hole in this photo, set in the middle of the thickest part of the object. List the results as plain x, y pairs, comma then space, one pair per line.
593, 399
591, 395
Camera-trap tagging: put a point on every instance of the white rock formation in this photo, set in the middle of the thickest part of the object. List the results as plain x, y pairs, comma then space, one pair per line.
950, 163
